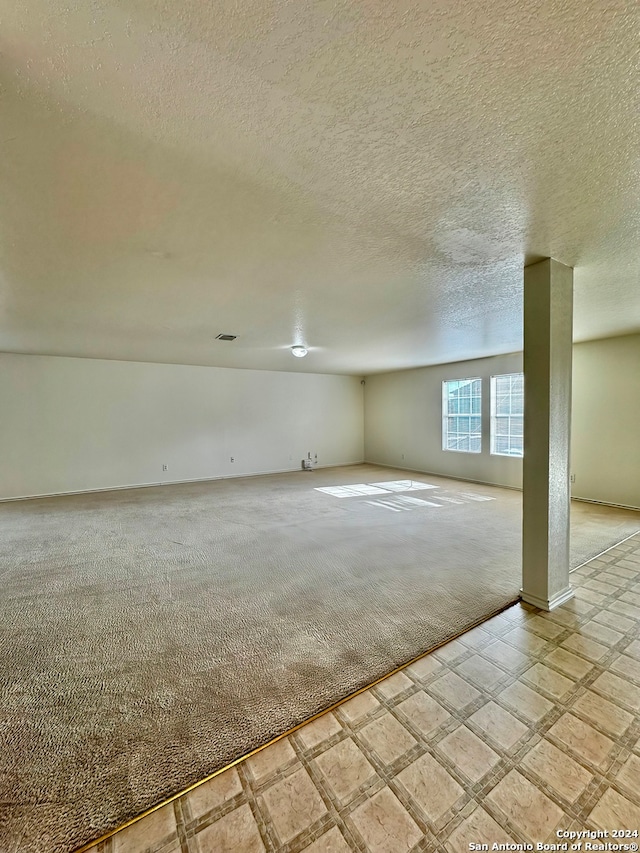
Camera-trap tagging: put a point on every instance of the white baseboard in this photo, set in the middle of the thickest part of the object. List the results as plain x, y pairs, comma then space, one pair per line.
548, 603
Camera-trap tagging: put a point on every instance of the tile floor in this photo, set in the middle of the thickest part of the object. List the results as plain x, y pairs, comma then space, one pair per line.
526, 725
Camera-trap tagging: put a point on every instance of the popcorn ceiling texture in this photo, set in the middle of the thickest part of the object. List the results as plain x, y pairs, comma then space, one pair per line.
364, 178
151, 636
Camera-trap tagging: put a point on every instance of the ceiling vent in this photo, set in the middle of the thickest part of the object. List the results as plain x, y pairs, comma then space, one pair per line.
226, 337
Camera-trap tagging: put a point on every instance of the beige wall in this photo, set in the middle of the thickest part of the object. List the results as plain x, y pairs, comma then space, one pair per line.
605, 447
70, 424
403, 421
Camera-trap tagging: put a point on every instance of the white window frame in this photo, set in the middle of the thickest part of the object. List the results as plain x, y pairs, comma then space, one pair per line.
446, 415
509, 417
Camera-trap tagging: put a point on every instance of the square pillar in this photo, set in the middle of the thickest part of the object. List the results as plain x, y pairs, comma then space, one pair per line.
548, 341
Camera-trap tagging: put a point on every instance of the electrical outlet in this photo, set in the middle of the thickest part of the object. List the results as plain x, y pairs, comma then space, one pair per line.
403, 455
165, 467
232, 458
572, 478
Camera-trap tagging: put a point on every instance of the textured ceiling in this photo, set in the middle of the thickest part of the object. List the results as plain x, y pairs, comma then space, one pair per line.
365, 178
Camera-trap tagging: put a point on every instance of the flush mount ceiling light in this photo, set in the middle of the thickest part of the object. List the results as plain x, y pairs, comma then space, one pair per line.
299, 351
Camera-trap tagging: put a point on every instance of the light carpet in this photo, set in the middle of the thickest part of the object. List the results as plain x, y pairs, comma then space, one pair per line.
150, 636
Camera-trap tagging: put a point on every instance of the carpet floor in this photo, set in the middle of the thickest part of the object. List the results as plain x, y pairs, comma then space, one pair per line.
150, 636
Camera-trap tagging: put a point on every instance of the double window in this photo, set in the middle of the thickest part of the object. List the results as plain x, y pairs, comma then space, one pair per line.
462, 415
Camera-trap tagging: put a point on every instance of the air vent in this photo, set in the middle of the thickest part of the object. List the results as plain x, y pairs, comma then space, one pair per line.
226, 337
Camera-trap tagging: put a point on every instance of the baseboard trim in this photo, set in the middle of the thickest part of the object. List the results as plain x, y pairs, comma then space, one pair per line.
548, 603
177, 482
607, 503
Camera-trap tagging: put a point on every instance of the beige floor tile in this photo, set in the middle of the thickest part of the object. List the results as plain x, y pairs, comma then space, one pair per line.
526, 642
270, 760
331, 842
526, 701
574, 605
618, 689
602, 633
150, 831
586, 647
359, 707
455, 690
613, 579
476, 638
568, 663
236, 831
614, 810
424, 712
613, 620
498, 625
293, 805
627, 667
547, 680
505, 655
628, 777
481, 672
533, 813
345, 768
631, 596
213, 793
450, 651
469, 754
544, 628
633, 649
385, 825
425, 667
620, 571
387, 738
319, 730
430, 787
558, 770
498, 725
582, 740
590, 595
563, 617
603, 713
394, 685
630, 610
599, 586
479, 827
586, 571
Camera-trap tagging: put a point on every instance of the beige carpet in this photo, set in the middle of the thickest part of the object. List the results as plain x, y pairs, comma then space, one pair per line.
150, 636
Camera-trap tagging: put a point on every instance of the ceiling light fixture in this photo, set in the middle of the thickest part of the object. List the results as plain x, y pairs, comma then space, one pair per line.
299, 351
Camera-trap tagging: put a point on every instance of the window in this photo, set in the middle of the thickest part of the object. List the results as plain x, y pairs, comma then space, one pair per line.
507, 415
461, 415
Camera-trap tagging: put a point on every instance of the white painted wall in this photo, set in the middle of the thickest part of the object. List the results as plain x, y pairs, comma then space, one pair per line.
403, 421
70, 424
605, 443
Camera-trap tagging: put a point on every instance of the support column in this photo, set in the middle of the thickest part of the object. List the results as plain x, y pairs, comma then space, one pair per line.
548, 321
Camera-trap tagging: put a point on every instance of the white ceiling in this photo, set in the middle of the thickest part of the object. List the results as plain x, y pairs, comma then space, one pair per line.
366, 178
